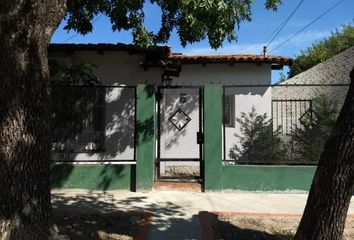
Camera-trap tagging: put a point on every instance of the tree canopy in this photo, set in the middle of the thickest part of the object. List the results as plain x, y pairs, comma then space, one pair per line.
215, 20
320, 51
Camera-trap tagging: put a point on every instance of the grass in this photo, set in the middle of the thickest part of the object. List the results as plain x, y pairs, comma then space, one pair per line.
262, 228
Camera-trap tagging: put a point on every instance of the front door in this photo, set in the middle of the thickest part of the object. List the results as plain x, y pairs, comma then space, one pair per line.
180, 135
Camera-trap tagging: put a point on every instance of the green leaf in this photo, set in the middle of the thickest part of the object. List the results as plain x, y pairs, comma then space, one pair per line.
320, 51
194, 20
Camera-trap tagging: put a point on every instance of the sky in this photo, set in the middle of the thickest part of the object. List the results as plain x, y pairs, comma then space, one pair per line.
252, 36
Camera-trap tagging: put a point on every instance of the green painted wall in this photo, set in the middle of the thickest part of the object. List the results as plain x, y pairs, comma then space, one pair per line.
92, 177
267, 178
145, 115
212, 137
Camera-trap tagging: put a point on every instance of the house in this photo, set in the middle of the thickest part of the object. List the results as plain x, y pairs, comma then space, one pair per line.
161, 116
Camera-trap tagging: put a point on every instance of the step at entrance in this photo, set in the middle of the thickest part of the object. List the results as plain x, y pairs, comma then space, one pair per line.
178, 186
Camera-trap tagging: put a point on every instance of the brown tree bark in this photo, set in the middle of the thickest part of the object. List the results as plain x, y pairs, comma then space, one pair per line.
26, 27
333, 185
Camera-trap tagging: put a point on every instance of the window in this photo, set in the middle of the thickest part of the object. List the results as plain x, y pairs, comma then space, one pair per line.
78, 119
229, 111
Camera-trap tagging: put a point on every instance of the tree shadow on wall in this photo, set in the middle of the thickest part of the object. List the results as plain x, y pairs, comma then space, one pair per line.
145, 130
150, 91
112, 130
172, 100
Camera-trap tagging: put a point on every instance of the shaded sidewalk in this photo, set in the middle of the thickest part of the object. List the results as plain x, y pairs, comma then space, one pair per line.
176, 212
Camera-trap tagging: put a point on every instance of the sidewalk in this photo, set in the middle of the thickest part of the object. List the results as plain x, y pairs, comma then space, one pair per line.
176, 213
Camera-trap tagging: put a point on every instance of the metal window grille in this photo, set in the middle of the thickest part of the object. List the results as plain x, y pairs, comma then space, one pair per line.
78, 119
229, 111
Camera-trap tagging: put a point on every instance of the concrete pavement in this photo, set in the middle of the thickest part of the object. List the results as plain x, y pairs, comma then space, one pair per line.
176, 212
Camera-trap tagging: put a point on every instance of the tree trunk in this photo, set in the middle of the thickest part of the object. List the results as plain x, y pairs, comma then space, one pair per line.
25, 31
333, 185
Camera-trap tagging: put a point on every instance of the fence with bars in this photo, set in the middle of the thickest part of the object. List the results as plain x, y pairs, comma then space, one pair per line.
290, 113
279, 124
263, 124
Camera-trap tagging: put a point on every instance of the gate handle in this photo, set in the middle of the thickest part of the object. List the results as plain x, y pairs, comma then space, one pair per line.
200, 138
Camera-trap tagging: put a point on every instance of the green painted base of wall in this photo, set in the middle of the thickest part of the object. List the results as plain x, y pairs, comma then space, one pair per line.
267, 178
242, 178
93, 177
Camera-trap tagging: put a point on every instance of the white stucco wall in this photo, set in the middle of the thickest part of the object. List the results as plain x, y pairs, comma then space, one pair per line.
245, 99
116, 67
119, 67
224, 74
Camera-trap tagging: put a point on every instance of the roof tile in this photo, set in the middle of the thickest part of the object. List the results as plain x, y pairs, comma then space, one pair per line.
231, 58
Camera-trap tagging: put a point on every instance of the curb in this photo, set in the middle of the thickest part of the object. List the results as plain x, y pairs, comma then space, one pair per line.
248, 214
205, 225
144, 226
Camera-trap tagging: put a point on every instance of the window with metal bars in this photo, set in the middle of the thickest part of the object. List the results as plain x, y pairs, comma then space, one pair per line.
78, 119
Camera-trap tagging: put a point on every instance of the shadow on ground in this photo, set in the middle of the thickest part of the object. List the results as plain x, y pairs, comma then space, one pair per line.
170, 221
225, 230
82, 226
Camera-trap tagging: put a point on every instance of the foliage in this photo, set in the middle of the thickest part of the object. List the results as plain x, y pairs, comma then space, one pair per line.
193, 20
282, 78
320, 51
309, 138
76, 74
258, 141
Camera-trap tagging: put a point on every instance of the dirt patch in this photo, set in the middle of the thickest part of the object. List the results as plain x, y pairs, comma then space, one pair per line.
181, 171
98, 226
262, 228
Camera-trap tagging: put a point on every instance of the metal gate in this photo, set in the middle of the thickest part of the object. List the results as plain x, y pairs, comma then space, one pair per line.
180, 137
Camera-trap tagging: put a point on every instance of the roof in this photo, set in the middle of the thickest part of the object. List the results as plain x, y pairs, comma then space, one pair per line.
165, 50
156, 53
230, 58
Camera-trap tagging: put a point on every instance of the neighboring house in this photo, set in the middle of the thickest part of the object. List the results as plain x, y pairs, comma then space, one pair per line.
292, 98
159, 116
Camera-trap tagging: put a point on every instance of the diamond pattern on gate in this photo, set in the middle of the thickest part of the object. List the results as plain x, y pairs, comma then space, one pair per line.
179, 119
